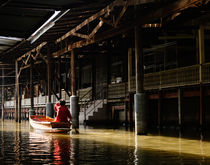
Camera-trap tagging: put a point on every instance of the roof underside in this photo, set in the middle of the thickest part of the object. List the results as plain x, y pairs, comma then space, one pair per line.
21, 18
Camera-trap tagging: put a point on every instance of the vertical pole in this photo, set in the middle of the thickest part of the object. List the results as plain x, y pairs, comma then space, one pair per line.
201, 50
140, 97
74, 107
49, 105
179, 107
49, 77
139, 61
16, 90
59, 77
31, 111
93, 77
159, 108
129, 68
130, 107
73, 84
201, 61
201, 106
74, 99
19, 105
2, 95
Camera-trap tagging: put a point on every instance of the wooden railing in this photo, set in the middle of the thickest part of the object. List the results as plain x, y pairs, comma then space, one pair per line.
164, 79
172, 78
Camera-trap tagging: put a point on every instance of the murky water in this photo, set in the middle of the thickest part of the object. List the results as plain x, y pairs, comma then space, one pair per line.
20, 144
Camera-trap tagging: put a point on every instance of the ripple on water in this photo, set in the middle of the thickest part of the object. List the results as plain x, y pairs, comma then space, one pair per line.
19, 144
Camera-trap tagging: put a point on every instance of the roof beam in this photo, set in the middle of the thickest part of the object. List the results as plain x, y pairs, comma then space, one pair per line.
107, 9
31, 51
159, 13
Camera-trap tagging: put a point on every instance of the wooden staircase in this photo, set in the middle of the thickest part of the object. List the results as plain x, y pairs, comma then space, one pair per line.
94, 111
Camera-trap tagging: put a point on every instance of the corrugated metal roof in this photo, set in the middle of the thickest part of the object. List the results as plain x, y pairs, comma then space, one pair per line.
8, 42
21, 18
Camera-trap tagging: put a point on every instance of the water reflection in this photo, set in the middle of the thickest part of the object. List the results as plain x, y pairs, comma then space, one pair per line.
19, 144
62, 150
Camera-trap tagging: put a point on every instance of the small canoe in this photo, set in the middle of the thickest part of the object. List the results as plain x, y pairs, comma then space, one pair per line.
47, 124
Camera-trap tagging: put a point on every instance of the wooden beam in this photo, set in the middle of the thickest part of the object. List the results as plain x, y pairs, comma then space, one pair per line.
62, 85
169, 95
172, 8
31, 51
96, 29
27, 66
122, 13
80, 35
88, 20
159, 13
106, 21
56, 95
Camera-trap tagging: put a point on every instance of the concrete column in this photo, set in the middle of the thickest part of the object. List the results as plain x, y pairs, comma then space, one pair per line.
140, 96
74, 111
74, 106
49, 105
179, 107
2, 96
31, 110
49, 110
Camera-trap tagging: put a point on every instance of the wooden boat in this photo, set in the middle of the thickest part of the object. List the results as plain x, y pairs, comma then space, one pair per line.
47, 124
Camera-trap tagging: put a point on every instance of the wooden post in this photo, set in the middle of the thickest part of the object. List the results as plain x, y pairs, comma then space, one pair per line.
19, 105
2, 96
139, 61
130, 107
201, 105
159, 108
201, 61
129, 68
49, 77
73, 84
140, 96
59, 77
16, 91
49, 105
201, 51
31, 111
179, 107
93, 77
74, 99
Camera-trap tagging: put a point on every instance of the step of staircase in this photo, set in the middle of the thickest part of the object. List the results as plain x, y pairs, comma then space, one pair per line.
96, 108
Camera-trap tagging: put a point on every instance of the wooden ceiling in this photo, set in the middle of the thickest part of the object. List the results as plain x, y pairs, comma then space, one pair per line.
88, 22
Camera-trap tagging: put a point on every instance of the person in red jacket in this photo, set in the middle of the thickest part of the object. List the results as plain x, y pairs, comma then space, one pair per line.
63, 114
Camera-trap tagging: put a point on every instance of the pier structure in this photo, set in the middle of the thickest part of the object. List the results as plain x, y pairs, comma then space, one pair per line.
144, 64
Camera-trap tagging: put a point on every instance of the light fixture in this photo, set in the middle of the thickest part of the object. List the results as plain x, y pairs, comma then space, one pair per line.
11, 38
47, 25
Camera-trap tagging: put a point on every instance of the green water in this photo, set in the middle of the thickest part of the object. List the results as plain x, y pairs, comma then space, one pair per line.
20, 144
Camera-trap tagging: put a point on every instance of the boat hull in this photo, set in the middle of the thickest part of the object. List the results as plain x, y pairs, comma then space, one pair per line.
47, 124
